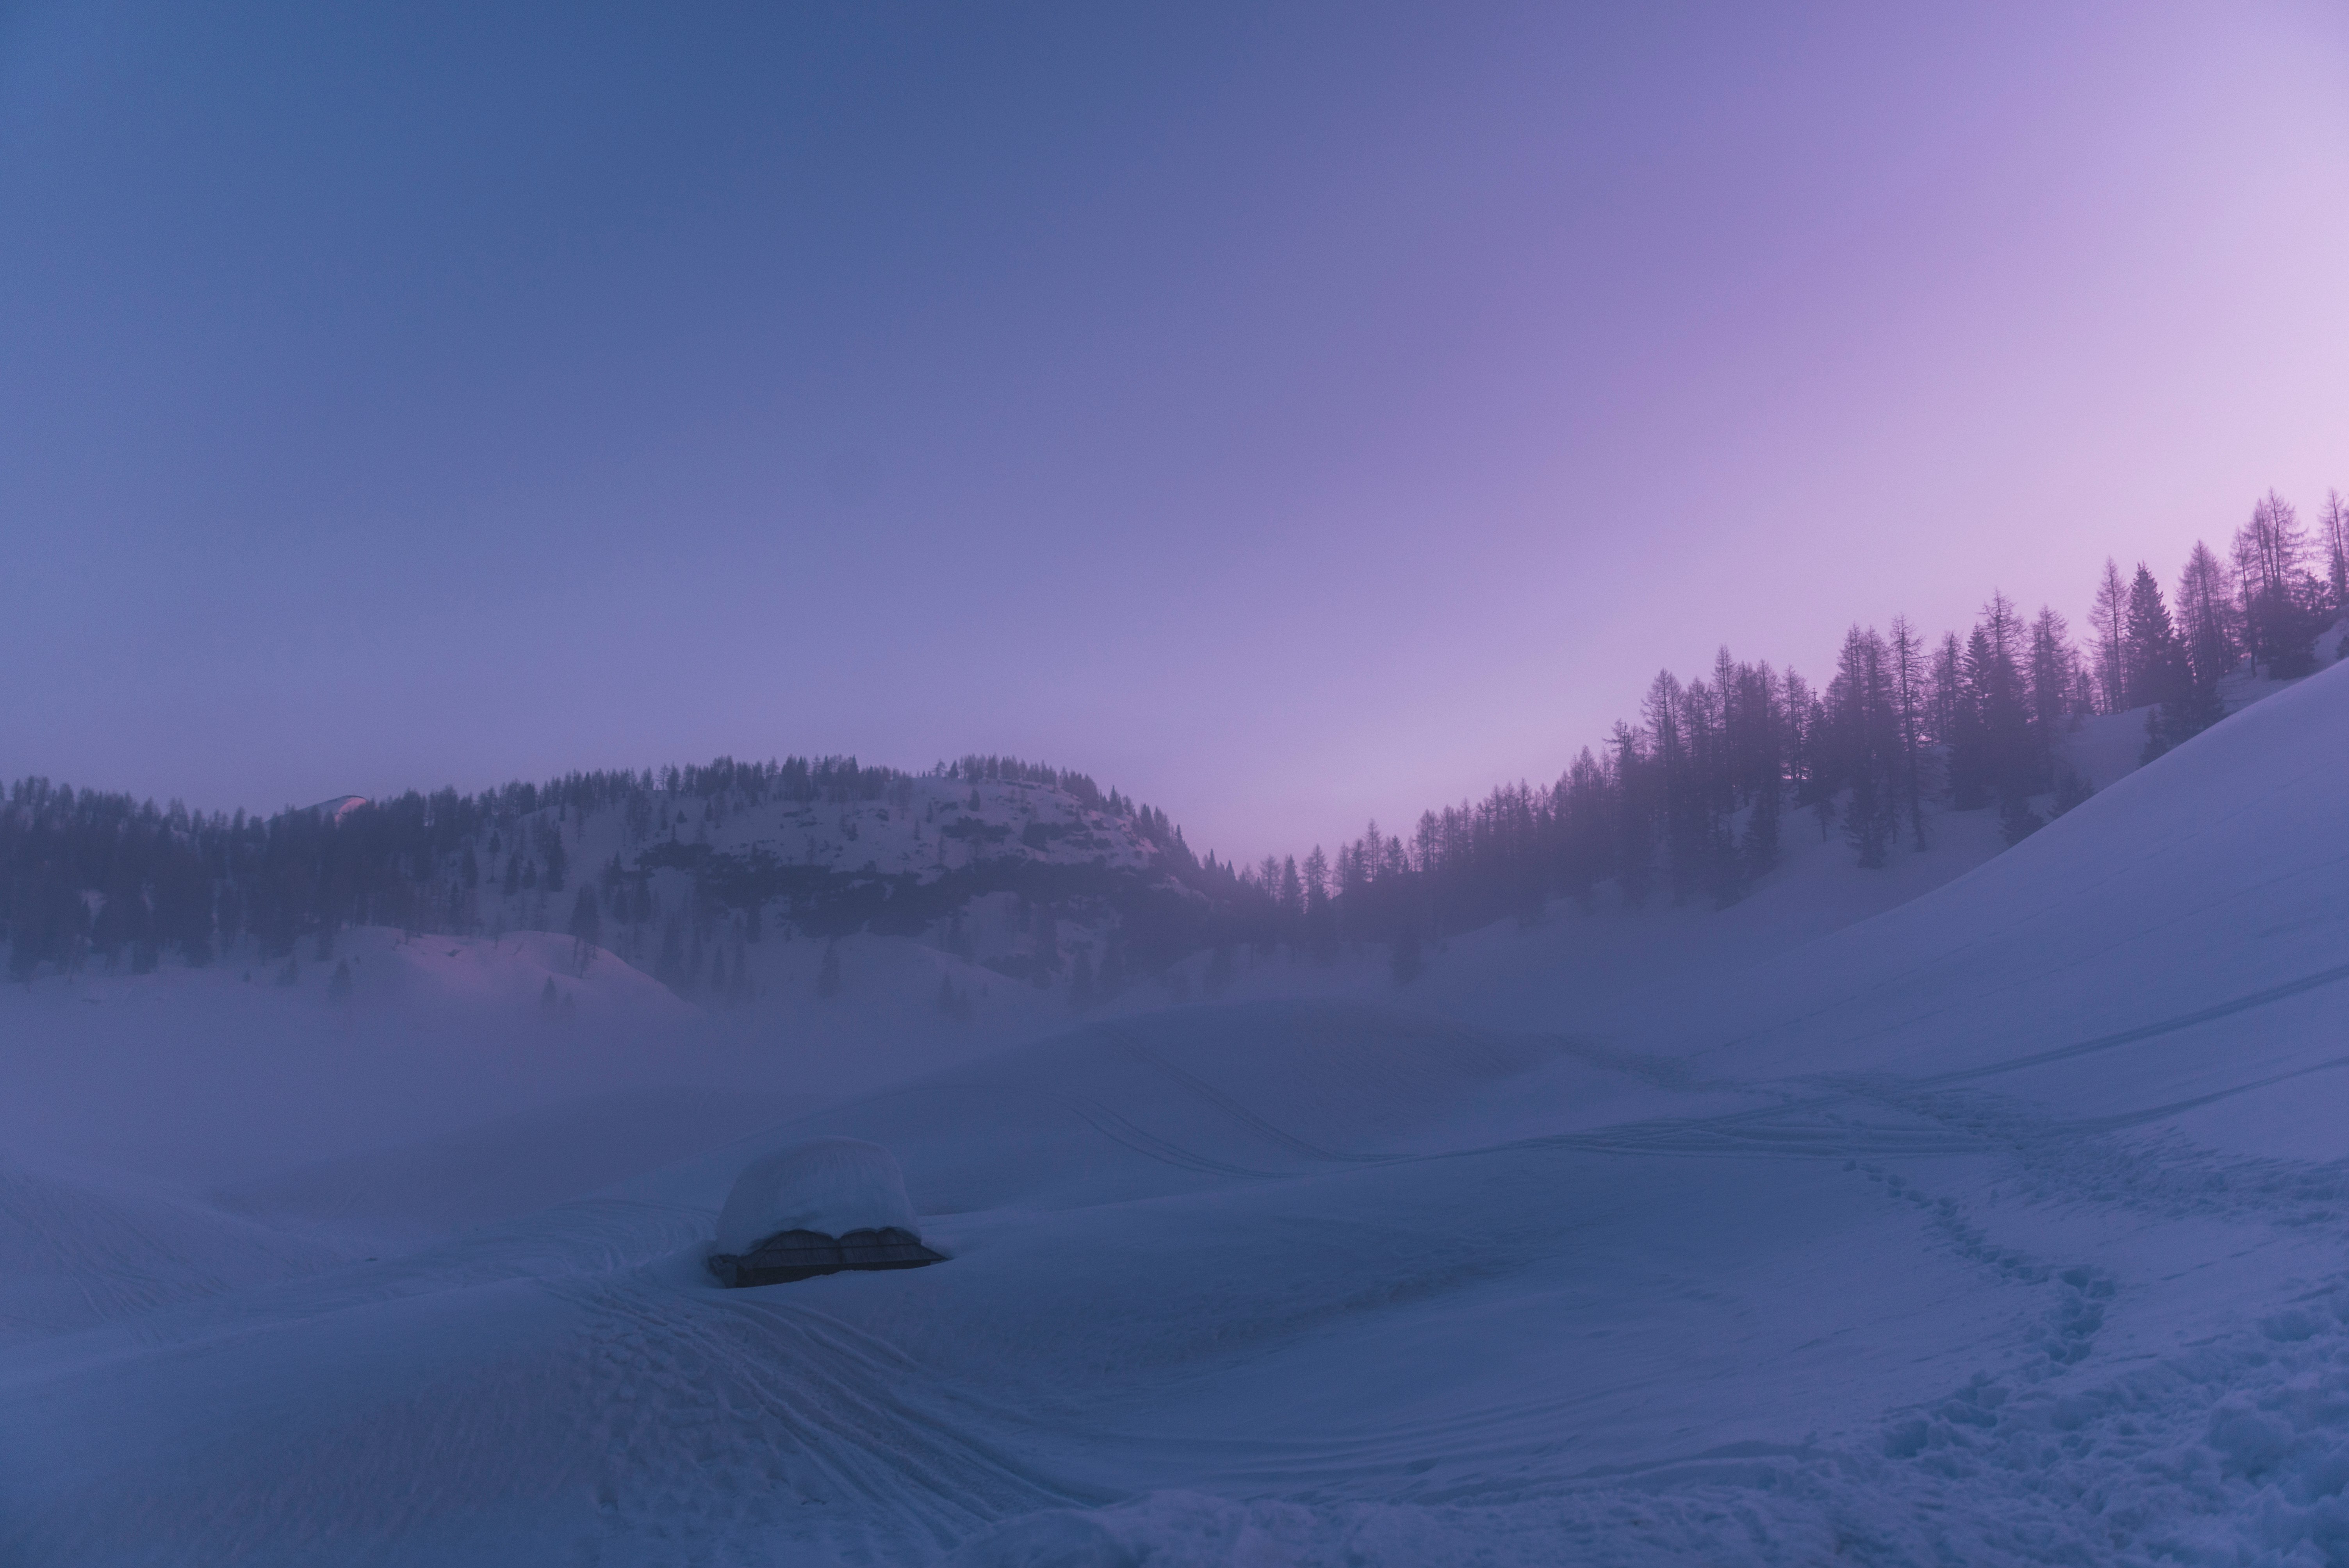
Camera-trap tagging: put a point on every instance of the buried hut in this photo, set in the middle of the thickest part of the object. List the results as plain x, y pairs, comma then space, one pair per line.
828, 1205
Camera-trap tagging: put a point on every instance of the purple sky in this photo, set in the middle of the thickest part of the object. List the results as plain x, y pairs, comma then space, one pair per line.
1285, 413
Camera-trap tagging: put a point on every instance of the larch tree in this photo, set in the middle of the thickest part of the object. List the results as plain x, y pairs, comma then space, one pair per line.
2109, 616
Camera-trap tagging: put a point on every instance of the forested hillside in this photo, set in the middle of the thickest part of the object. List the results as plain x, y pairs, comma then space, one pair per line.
675, 870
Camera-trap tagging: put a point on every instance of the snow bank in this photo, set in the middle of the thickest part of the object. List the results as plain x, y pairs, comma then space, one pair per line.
831, 1185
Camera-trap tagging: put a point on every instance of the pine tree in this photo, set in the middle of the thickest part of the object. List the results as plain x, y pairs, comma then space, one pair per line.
2154, 659
1687, 843
2018, 766
2279, 601
1635, 836
2159, 668
2110, 619
2050, 679
2333, 527
1586, 834
1320, 931
1906, 651
2070, 789
1957, 719
338, 984
550, 844
1864, 735
2207, 651
827, 974
587, 918
1757, 734
2205, 617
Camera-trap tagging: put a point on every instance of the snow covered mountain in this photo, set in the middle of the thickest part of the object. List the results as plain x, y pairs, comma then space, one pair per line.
1990, 1217
1021, 873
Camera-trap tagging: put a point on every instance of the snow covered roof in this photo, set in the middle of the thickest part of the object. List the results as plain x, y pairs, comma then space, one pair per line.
829, 1185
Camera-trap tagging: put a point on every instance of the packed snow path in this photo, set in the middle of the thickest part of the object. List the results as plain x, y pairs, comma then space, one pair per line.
2008, 1227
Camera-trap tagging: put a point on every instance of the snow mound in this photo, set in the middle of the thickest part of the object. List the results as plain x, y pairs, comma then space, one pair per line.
829, 1185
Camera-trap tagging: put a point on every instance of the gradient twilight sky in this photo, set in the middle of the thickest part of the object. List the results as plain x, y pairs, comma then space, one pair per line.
1287, 414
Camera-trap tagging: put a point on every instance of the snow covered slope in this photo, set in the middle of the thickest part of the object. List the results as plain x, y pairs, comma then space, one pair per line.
2003, 1226
2183, 928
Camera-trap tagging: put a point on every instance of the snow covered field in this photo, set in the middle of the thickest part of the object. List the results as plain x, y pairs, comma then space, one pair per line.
1991, 1209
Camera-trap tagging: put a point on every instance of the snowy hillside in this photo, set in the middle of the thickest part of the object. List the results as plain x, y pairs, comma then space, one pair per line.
2110, 746
2003, 1226
706, 882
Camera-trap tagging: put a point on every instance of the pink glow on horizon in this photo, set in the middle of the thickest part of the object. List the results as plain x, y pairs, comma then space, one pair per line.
1288, 422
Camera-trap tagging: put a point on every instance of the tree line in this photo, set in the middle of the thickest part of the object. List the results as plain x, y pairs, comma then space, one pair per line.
87, 873
1692, 800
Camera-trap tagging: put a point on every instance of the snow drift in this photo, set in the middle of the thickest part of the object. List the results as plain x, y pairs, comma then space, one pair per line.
828, 1185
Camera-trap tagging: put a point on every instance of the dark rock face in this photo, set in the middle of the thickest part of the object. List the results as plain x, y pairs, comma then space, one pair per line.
790, 1255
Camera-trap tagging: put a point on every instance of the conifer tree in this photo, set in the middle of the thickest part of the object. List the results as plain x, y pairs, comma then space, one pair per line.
2332, 528
1635, 837
1320, 934
1865, 730
1586, 833
2017, 765
2017, 822
2051, 679
587, 918
1906, 651
2110, 619
2206, 617
2280, 608
2155, 660
827, 974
